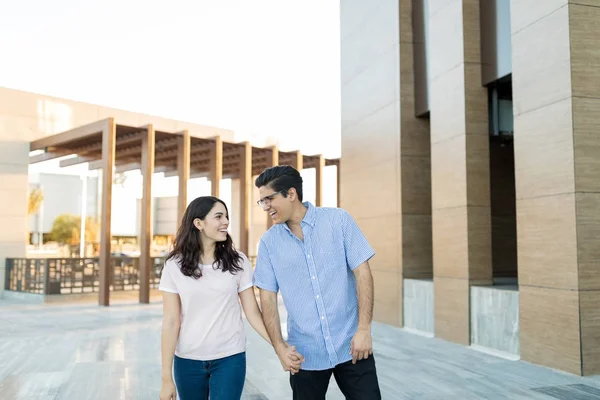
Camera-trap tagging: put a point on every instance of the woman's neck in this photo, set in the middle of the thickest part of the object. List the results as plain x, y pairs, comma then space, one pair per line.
208, 252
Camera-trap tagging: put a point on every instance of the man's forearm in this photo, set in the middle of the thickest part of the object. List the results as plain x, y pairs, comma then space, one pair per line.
270, 315
364, 285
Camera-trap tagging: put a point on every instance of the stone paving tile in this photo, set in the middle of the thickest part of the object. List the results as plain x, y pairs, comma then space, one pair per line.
83, 351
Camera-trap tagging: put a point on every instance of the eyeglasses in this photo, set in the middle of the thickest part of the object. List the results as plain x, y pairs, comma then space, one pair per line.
267, 199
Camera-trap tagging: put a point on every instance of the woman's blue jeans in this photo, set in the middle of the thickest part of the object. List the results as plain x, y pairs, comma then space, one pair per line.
221, 379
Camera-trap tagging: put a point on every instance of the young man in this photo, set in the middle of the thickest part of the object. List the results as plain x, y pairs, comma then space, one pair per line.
318, 258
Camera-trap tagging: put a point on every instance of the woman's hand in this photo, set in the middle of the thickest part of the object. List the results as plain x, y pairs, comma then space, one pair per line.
168, 391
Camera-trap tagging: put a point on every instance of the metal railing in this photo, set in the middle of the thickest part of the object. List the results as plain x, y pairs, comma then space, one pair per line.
75, 275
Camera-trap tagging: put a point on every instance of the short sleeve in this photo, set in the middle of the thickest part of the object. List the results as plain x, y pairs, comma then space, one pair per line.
357, 248
264, 275
167, 284
245, 277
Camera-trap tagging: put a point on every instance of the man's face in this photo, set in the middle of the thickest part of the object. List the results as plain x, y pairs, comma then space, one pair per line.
277, 206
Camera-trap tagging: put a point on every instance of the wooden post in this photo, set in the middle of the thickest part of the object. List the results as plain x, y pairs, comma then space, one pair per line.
183, 170
216, 166
109, 140
298, 161
148, 148
245, 195
271, 162
319, 181
339, 184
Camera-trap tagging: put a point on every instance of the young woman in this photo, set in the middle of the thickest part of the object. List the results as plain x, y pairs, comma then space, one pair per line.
203, 338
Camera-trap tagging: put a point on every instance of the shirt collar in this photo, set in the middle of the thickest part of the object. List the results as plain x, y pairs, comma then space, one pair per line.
309, 218
311, 214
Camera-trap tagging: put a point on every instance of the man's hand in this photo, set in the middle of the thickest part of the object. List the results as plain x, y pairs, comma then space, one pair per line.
290, 359
362, 345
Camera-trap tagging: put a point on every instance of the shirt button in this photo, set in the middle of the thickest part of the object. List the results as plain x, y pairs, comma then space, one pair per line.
313, 277
318, 296
326, 337
322, 317
308, 256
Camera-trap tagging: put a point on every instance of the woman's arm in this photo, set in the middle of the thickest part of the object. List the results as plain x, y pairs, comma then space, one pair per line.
253, 314
170, 334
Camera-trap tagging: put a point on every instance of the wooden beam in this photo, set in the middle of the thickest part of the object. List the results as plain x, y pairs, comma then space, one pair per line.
193, 175
183, 167
109, 133
130, 138
272, 161
128, 167
297, 160
74, 134
120, 165
245, 195
77, 160
339, 183
47, 156
216, 166
148, 142
319, 181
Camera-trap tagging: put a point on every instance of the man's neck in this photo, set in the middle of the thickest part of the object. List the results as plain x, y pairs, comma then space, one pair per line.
297, 216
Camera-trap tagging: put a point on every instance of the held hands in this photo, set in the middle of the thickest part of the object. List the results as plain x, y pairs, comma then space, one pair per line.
167, 390
290, 359
362, 345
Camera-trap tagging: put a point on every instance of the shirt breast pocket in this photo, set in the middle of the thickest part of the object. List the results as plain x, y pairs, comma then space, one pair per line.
334, 257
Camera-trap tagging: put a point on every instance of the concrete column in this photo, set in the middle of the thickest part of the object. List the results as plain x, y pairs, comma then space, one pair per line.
383, 141
461, 218
556, 103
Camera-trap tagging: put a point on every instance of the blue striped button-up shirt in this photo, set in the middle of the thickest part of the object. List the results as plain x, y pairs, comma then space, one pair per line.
316, 282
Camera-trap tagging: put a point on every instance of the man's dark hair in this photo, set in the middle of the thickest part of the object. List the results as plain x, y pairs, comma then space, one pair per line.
281, 178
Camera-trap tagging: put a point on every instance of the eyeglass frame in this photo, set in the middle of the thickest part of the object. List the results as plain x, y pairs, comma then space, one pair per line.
269, 198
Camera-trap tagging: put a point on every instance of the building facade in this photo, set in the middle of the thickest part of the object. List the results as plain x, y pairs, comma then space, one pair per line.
469, 128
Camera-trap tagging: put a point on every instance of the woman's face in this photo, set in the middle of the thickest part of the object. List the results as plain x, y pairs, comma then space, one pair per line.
214, 226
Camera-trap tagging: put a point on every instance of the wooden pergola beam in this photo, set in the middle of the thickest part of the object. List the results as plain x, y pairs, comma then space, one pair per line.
216, 166
77, 160
339, 184
272, 161
319, 181
183, 168
298, 160
109, 133
47, 156
74, 134
245, 166
147, 164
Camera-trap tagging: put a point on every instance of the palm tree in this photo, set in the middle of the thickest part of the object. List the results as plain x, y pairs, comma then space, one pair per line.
36, 197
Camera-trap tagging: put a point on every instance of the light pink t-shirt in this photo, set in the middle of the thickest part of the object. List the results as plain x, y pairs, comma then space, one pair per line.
211, 314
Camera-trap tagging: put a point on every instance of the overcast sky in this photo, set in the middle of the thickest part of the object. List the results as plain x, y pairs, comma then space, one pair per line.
264, 68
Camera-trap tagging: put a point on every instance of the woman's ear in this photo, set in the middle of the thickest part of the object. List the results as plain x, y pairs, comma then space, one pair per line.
198, 224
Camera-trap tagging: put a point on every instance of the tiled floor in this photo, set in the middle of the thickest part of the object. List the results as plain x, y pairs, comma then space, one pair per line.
82, 351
